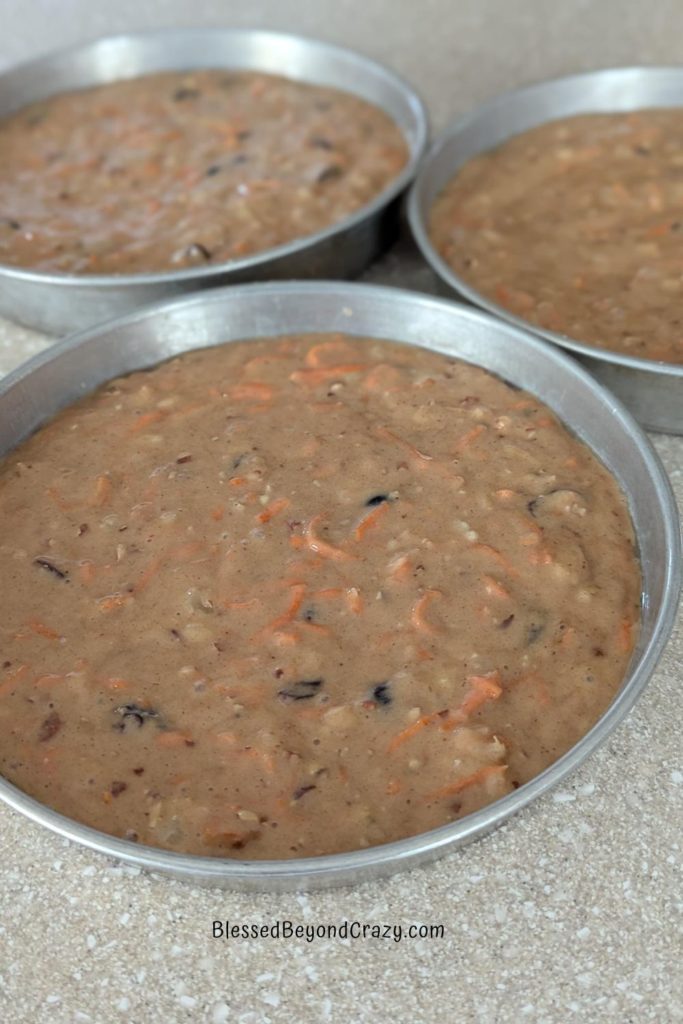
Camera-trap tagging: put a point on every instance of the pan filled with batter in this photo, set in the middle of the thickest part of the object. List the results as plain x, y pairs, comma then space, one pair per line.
184, 169
139, 166
308, 593
559, 207
609, 271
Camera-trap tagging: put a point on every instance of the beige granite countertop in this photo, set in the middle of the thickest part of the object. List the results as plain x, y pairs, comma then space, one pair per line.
570, 912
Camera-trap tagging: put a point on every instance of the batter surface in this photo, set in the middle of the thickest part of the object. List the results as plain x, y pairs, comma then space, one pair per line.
176, 170
303, 595
577, 226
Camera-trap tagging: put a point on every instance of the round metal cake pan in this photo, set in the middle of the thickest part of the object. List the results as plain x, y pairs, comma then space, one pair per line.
75, 366
652, 391
60, 302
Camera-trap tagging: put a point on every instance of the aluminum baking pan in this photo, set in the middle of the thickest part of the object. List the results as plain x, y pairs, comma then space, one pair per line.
652, 391
59, 302
75, 366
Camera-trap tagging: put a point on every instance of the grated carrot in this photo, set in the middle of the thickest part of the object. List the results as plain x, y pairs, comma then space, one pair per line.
272, 510
417, 615
370, 520
475, 779
321, 547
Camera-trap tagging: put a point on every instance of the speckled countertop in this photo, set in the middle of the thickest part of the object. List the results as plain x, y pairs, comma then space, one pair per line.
570, 912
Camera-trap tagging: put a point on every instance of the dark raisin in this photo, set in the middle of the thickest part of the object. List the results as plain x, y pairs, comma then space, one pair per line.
50, 727
44, 563
381, 694
302, 690
533, 632
138, 771
117, 788
329, 173
301, 791
83, 528
507, 622
185, 92
11, 223
212, 170
134, 714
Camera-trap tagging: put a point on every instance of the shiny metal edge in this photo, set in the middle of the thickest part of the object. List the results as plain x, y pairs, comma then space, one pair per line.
653, 391
417, 319
301, 58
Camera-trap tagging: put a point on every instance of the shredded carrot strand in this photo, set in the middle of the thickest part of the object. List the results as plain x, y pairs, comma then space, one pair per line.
102, 491
417, 615
272, 510
296, 600
334, 345
321, 547
467, 439
252, 390
370, 520
40, 629
475, 779
482, 689
412, 730
146, 420
387, 434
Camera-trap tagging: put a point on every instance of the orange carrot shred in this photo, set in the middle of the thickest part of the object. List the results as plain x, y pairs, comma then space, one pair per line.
146, 420
321, 547
412, 730
296, 600
40, 629
113, 601
482, 689
467, 439
253, 390
102, 491
333, 345
272, 510
417, 615
475, 779
370, 520
387, 434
